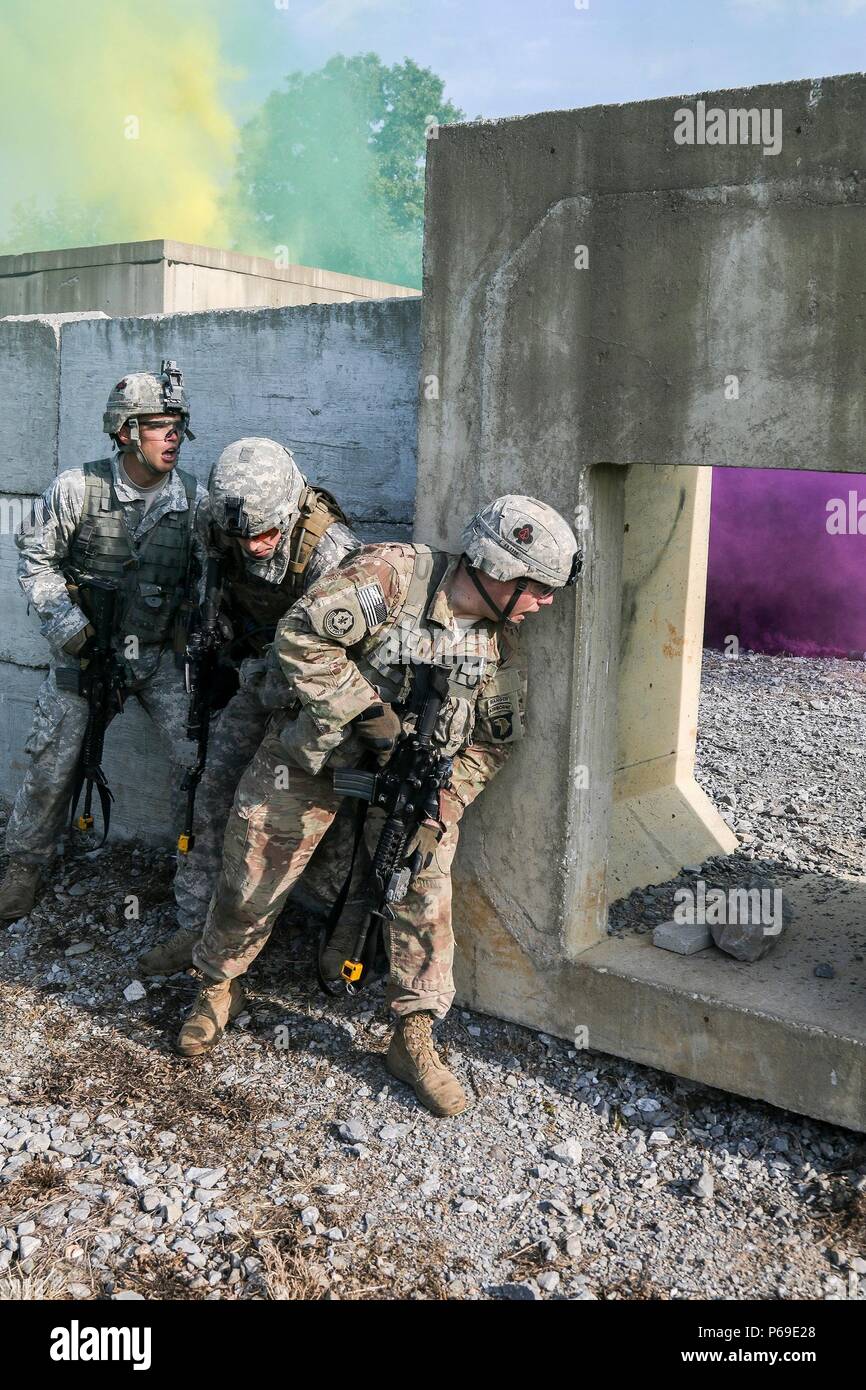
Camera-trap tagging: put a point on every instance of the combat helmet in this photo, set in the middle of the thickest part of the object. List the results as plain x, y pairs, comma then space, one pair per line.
520, 538
144, 393
255, 485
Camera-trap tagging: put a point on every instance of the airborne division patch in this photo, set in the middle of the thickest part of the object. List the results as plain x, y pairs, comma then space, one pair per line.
371, 597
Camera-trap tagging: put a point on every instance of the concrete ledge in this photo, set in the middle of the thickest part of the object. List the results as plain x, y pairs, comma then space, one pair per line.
770, 1030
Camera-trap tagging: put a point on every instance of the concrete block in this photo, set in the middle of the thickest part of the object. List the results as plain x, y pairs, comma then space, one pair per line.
20, 639
337, 383
135, 763
18, 687
29, 400
769, 1030
683, 937
673, 342
165, 276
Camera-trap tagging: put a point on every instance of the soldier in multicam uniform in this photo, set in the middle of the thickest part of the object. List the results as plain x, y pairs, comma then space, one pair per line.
130, 519
275, 535
348, 649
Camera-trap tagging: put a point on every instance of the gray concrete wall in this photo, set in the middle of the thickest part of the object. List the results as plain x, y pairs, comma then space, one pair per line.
704, 263
337, 383
152, 277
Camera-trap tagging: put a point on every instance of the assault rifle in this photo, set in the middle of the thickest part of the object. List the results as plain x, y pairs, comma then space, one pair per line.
407, 788
201, 663
100, 683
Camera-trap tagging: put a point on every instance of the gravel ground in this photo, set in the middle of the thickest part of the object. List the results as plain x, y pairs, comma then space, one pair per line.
288, 1165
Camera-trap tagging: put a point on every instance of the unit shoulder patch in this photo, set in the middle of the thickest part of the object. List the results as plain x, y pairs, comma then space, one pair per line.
337, 622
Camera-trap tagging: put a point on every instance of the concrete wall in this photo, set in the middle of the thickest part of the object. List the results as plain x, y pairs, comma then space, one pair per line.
336, 383
597, 295
152, 277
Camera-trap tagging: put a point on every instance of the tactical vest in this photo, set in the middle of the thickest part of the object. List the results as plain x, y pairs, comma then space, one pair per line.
388, 658
152, 571
259, 603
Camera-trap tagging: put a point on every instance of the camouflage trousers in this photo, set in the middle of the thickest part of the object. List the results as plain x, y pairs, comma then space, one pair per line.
278, 817
41, 810
236, 733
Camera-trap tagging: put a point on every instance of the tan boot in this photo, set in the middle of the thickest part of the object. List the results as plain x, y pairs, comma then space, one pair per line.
171, 955
413, 1058
18, 890
216, 1004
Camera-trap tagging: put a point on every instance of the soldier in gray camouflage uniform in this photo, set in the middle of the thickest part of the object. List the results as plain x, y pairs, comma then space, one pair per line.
275, 535
348, 650
129, 518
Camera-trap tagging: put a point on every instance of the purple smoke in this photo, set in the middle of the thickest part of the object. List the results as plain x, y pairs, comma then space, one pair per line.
778, 578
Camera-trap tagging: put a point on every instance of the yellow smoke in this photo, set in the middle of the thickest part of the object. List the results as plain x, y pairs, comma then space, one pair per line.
114, 106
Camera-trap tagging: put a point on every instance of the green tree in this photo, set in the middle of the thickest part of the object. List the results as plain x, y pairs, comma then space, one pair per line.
332, 167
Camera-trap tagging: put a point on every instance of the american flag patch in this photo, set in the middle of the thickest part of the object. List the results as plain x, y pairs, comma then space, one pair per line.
371, 598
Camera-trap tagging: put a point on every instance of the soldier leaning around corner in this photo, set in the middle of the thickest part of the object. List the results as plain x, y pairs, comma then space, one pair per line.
275, 535
129, 518
349, 649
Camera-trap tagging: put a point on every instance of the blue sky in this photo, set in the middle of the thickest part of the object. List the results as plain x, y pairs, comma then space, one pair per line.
509, 57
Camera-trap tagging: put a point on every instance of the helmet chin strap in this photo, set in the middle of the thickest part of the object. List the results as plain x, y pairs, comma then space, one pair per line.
135, 441
502, 614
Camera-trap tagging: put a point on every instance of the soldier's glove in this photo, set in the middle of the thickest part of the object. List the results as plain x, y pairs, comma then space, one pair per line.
422, 846
378, 727
77, 643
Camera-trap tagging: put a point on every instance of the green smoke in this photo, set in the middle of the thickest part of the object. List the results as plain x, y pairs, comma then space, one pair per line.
330, 171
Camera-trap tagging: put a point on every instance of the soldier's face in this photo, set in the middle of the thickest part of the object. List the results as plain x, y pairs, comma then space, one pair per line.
534, 597
159, 439
262, 546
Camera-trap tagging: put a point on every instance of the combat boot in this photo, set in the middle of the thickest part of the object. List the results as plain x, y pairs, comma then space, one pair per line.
18, 890
216, 1004
171, 955
413, 1058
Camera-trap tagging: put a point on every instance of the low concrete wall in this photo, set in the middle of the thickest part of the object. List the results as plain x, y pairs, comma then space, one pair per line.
337, 383
155, 277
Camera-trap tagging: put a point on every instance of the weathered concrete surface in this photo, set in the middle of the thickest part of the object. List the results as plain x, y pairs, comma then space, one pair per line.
661, 818
336, 383
20, 639
770, 1030
705, 264
704, 261
134, 759
30, 399
155, 277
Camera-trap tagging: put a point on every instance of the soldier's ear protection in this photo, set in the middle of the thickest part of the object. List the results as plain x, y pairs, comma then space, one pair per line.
576, 567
